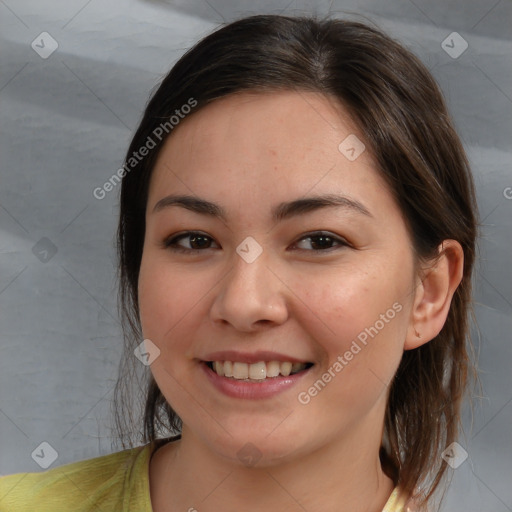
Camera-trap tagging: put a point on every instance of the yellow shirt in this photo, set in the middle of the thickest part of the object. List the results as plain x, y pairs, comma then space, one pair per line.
111, 483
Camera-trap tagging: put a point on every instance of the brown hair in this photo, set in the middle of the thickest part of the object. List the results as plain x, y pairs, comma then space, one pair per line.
400, 110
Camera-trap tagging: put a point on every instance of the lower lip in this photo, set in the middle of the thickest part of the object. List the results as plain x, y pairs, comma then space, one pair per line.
252, 390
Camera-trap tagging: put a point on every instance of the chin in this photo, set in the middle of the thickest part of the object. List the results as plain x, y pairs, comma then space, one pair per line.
252, 448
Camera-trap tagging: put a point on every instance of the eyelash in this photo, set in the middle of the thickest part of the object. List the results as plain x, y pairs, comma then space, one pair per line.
171, 242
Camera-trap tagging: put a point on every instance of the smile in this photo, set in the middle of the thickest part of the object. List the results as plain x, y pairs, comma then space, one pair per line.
256, 371
259, 380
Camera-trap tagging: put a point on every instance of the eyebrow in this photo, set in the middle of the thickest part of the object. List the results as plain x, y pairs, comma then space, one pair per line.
280, 212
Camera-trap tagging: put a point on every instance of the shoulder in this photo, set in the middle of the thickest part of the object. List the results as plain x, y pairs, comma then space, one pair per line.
400, 502
397, 502
118, 481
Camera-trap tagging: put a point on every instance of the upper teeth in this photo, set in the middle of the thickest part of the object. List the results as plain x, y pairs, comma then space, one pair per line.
256, 371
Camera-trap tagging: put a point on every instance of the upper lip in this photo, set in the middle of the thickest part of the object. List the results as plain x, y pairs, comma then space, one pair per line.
251, 357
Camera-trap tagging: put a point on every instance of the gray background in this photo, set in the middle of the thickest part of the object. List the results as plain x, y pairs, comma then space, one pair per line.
66, 124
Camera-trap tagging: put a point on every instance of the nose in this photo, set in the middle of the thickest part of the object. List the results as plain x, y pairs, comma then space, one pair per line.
251, 297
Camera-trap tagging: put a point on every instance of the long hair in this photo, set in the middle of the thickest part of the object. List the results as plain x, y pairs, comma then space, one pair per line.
399, 108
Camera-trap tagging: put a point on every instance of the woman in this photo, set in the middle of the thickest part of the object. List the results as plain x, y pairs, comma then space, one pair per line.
296, 242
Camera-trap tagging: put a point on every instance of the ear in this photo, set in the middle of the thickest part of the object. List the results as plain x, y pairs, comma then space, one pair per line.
434, 294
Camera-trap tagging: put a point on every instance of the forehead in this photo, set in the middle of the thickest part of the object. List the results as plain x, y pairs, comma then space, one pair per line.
259, 146
285, 122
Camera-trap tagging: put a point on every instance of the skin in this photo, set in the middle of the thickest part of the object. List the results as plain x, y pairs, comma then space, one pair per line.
248, 153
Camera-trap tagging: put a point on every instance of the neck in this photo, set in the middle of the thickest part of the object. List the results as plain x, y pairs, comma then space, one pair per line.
343, 475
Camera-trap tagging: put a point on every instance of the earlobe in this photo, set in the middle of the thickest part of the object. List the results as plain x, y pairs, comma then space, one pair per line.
434, 294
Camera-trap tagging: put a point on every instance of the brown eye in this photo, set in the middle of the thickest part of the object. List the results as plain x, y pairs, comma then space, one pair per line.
200, 241
189, 242
322, 242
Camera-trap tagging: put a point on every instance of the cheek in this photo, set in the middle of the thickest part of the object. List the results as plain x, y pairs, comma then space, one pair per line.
347, 303
168, 298
360, 318
170, 304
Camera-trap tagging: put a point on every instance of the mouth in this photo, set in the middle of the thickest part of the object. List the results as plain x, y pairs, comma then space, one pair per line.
260, 371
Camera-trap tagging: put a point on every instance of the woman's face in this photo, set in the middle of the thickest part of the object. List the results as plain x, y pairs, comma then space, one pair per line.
278, 243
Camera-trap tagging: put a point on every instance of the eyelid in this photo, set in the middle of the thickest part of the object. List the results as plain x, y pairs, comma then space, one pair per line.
342, 242
170, 241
